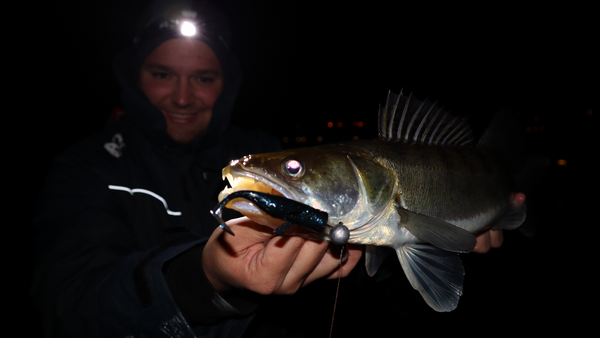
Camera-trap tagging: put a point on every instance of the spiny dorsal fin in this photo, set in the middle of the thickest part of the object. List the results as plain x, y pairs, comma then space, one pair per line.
406, 119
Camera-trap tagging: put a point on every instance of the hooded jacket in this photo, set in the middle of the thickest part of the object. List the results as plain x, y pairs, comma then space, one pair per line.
123, 218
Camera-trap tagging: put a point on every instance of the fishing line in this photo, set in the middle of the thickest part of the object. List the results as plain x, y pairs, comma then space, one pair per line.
337, 290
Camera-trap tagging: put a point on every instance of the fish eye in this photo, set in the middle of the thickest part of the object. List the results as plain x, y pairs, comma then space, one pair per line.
293, 168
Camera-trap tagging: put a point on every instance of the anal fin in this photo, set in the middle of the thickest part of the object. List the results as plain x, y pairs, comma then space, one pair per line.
437, 274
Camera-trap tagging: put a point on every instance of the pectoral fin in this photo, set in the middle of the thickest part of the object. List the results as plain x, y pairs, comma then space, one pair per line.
436, 274
437, 232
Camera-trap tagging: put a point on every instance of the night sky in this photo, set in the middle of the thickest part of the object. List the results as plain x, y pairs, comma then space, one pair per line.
306, 64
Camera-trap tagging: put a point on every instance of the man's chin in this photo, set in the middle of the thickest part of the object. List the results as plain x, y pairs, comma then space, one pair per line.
184, 136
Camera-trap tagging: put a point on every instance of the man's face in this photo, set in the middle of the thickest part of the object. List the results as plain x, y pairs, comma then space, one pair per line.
183, 78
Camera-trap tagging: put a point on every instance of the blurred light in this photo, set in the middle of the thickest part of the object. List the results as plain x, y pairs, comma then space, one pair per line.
286, 139
355, 138
298, 139
319, 139
340, 124
535, 118
330, 124
303, 139
527, 129
561, 162
360, 124
589, 112
188, 28
355, 124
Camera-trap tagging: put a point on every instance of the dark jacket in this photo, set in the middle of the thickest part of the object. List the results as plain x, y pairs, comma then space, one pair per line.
118, 206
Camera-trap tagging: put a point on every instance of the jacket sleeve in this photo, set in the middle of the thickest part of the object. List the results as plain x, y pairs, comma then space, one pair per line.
90, 278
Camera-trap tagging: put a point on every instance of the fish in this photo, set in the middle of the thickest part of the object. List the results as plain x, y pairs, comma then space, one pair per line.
423, 187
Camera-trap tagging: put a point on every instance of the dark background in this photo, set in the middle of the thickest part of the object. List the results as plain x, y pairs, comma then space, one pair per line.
306, 64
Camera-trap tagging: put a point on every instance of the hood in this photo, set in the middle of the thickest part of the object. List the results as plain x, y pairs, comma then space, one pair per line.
145, 118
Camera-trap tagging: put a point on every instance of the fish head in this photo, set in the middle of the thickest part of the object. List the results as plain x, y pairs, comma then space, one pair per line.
346, 185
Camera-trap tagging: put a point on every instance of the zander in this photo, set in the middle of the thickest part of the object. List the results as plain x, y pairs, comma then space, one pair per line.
422, 188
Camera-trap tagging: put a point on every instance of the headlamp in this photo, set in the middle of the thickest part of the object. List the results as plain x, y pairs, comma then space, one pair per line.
159, 24
184, 25
187, 29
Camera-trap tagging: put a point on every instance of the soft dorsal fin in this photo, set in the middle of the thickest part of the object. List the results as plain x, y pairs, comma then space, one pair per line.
406, 119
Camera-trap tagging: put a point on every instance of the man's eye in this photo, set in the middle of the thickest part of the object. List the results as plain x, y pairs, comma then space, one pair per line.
160, 75
205, 79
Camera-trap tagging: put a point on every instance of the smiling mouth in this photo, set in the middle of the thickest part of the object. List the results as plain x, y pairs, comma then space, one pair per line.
180, 116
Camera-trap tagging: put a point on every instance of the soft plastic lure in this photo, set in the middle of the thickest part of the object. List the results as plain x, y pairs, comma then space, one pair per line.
292, 212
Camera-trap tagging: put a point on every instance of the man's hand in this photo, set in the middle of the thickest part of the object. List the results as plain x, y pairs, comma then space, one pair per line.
494, 238
255, 260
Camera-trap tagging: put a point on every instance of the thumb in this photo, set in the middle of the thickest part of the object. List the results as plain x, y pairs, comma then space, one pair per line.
247, 233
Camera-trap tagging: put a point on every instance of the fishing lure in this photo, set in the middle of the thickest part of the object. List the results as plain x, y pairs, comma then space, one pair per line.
292, 212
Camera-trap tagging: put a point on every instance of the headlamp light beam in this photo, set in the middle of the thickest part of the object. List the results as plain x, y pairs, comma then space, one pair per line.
187, 28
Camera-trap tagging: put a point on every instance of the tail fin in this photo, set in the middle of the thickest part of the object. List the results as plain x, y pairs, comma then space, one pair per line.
505, 135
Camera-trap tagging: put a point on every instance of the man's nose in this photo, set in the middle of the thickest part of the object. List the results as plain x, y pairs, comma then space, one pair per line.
182, 96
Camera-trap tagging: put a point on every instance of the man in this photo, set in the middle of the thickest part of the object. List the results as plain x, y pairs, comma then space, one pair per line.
126, 245
123, 219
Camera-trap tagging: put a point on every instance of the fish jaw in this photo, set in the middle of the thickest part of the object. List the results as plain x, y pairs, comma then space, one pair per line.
241, 178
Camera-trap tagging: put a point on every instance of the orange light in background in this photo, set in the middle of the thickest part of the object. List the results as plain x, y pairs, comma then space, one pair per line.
330, 124
298, 139
286, 139
340, 124
535, 118
589, 112
360, 124
355, 138
561, 162
303, 139
319, 139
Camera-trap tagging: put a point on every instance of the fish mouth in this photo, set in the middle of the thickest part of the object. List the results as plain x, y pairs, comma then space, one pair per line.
240, 179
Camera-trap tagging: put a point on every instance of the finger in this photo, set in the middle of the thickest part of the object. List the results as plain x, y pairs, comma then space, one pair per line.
248, 261
352, 254
330, 263
496, 238
276, 260
518, 200
330, 267
248, 233
483, 242
309, 258
227, 259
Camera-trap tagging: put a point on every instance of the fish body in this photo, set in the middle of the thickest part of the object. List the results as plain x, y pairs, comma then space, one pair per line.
422, 188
